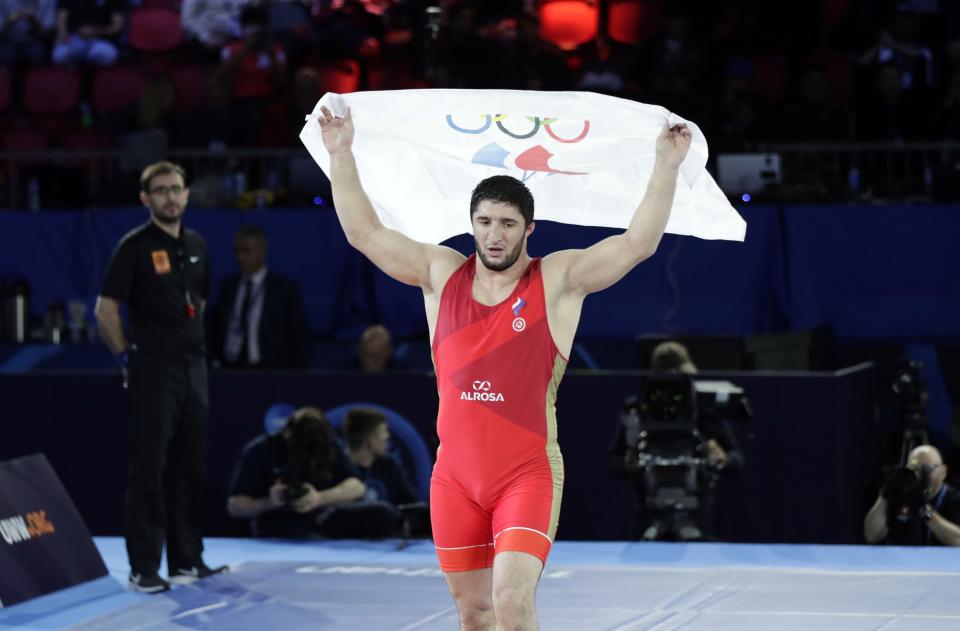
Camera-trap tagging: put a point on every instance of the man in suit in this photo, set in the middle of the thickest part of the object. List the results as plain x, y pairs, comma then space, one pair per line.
258, 319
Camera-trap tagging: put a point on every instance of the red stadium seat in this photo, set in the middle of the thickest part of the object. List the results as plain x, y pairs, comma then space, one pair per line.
773, 77
191, 82
117, 87
568, 23
839, 71
51, 90
633, 21
341, 77
93, 139
25, 140
5, 88
169, 5
155, 30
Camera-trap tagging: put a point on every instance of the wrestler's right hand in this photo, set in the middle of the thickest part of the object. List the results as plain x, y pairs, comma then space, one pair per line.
337, 132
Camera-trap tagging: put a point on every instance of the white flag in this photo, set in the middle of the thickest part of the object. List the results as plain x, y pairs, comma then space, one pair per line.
587, 158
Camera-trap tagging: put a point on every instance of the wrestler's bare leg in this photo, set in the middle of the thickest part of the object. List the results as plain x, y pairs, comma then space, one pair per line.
473, 593
515, 578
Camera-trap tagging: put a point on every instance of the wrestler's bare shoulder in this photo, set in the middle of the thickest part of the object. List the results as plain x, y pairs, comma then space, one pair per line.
444, 261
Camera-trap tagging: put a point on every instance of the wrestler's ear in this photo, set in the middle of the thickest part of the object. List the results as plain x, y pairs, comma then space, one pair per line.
530, 228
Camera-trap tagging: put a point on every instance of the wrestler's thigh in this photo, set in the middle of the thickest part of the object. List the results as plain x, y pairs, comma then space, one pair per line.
462, 531
525, 517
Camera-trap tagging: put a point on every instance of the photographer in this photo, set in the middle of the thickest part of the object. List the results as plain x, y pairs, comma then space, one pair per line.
719, 447
255, 72
917, 509
292, 484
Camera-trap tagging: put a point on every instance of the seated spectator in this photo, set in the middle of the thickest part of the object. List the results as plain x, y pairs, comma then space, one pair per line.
367, 435
258, 319
375, 352
349, 31
255, 69
211, 23
291, 484
814, 115
950, 103
87, 32
887, 111
25, 27
925, 511
899, 44
155, 110
205, 126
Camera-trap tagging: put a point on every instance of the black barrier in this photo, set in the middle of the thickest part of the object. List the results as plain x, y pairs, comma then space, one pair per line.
44, 544
809, 449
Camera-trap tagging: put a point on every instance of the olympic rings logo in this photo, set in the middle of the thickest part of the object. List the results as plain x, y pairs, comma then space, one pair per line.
490, 119
533, 160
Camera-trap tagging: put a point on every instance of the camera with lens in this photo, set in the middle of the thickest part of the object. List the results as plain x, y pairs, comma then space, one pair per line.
910, 393
295, 489
293, 493
905, 492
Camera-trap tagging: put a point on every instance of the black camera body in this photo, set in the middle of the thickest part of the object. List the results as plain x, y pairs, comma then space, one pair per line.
905, 492
295, 489
293, 493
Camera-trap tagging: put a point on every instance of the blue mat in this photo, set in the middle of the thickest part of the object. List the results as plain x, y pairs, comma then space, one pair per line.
380, 586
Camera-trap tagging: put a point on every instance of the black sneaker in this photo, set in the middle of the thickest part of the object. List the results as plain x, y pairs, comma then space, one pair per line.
194, 572
147, 583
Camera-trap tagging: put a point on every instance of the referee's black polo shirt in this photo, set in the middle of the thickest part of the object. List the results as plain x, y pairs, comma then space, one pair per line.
162, 281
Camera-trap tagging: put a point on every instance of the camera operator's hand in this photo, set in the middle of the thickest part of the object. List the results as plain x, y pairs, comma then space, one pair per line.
309, 500
875, 522
277, 494
716, 456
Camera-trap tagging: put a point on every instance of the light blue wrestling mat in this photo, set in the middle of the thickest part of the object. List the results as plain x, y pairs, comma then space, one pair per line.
377, 586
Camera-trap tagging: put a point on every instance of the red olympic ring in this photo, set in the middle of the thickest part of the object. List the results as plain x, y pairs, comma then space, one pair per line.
537, 121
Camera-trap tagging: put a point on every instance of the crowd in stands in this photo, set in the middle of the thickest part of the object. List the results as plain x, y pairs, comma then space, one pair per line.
154, 75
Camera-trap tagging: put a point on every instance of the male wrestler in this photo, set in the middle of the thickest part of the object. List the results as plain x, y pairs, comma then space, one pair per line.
502, 326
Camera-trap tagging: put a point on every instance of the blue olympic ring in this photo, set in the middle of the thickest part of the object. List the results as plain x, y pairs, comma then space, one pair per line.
537, 120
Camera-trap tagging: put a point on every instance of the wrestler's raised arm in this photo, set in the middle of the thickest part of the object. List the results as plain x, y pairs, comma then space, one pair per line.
601, 265
400, 257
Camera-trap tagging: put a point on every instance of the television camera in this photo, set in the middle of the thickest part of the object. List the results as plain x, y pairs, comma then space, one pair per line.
668, 422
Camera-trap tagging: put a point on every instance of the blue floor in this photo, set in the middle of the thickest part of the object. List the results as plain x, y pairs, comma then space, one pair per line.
597, 585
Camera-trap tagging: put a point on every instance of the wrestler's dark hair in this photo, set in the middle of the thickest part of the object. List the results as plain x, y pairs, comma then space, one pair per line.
310, 444
507, 190
359, 423
160, 168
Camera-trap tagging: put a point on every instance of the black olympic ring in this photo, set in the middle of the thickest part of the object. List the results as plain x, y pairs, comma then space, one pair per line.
488, 120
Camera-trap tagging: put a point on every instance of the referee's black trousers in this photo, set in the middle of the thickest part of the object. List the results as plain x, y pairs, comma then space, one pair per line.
169, 404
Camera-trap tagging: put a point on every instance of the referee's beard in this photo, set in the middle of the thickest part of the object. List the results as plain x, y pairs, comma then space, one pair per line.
167, 218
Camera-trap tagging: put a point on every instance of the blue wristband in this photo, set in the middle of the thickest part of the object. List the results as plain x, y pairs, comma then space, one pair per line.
123, 358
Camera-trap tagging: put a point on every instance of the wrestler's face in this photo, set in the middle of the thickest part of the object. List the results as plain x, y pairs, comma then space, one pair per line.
499, 234
166, 197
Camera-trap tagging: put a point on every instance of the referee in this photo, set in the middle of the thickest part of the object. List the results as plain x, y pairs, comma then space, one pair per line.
161, 271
